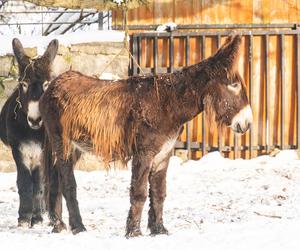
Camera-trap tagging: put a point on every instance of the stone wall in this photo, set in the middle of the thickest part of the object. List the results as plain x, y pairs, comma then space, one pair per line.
88, 58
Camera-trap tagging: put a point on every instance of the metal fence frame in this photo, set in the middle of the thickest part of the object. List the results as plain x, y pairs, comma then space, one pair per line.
99, 21
252, 30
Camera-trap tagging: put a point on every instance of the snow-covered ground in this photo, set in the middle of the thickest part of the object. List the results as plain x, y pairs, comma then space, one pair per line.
41, 42
213, 203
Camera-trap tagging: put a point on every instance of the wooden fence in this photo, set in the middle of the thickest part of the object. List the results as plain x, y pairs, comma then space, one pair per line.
213, 12
269, 65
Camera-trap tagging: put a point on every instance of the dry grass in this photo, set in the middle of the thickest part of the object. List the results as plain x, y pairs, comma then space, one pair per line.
7, 163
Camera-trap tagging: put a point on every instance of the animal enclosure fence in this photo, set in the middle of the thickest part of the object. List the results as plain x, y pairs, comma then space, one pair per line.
269, 66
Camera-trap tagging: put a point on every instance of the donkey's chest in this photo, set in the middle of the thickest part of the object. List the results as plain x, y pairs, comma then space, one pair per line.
31, 153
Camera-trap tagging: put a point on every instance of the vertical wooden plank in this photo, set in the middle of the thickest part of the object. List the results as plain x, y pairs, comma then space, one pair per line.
155, 49
251, 88
274, 88
140, 48
290, 90
235, 146
298, 88
135, 54
183, 12
261, 11
280, 11
203, 113
163, 11
244, 72
282, 93
239, 11
258, 94
188, 125
171, 53
219, 131
267, 93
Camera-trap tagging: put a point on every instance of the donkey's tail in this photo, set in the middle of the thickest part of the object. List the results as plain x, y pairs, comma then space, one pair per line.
53, 195
48, 164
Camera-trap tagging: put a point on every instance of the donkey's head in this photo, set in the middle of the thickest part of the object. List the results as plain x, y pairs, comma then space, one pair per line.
34, 77
226, 97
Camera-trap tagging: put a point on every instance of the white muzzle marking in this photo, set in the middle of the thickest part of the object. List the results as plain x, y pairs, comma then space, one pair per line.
34, 115
242, 120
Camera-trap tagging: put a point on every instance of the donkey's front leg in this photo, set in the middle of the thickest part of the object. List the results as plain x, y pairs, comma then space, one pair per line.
38, 201
157, 195
25, 189
138, 192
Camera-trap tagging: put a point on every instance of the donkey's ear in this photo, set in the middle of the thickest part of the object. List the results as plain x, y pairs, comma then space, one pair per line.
22, 58
51, 51
229, 52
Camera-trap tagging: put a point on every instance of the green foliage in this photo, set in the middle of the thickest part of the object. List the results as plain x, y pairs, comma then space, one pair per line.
67, 58
14, 68
2, 87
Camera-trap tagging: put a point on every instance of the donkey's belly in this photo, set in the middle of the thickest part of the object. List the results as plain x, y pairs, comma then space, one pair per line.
31, 152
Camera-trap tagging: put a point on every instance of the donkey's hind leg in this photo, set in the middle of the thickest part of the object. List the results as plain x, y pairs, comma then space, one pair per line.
157, 195
38, 201
69, 190
55, 195
55, 201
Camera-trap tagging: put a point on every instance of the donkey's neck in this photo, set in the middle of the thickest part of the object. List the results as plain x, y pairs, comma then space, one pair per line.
188, 91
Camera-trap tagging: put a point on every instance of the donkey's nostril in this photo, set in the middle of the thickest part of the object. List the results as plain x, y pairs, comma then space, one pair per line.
38, 119
238, 128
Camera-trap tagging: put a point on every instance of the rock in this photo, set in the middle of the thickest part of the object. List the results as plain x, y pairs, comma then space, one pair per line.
104, 48
6, 64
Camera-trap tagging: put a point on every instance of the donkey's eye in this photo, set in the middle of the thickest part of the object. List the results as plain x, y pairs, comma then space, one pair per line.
235, 87
45, 85
24, 85
234, 84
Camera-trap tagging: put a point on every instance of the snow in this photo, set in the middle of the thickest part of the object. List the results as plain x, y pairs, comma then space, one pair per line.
213, 203
41, 42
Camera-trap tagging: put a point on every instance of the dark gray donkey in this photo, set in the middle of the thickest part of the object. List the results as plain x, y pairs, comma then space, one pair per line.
21, 128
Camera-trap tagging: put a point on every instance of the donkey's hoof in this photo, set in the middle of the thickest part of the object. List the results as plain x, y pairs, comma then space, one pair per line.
36, 220
58, 227
79, 229
158, 229
133, 233
25, 223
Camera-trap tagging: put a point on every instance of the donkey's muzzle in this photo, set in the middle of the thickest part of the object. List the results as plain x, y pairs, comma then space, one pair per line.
34, 118
242, 121
34, 123
241, 129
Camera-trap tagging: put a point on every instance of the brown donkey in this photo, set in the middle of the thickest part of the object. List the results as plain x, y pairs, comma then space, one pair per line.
139, 118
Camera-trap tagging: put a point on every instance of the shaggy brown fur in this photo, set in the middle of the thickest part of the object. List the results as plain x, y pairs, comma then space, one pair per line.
140, 117
112, 101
